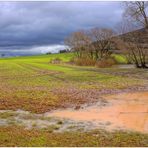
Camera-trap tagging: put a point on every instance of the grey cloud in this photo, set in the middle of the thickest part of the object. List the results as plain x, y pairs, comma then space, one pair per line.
27, 24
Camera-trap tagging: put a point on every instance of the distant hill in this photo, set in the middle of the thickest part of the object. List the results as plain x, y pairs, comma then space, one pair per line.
141, 34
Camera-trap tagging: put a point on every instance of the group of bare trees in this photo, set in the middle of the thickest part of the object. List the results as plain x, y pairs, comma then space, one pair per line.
97, 43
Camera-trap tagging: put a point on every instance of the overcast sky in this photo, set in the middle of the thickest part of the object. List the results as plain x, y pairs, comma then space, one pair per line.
39, 27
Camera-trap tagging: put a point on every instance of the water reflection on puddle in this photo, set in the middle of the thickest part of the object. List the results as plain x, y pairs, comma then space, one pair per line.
127, 111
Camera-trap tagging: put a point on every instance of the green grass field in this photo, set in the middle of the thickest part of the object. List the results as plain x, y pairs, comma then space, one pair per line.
29, 81
32, 83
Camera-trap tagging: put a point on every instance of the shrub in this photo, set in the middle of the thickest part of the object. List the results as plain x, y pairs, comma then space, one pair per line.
71, 61
63, 51
48, 53
84, 61
105, 63
56, 61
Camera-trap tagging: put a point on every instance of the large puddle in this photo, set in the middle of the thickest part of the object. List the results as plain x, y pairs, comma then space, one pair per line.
127, 111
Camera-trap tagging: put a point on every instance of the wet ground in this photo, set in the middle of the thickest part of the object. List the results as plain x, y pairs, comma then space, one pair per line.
128, 66
124, 111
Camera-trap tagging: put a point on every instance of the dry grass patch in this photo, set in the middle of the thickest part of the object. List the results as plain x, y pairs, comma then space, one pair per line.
17, 136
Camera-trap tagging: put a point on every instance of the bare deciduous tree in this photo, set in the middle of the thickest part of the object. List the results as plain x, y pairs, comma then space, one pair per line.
101, 40
79, 42
137, 11
133, 47
137, 51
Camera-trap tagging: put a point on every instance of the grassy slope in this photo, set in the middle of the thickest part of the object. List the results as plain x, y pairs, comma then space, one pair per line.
121, 59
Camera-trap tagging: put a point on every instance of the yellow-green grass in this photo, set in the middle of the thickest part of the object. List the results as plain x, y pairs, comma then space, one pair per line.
120, 59
41, 58
17, 136
34, 84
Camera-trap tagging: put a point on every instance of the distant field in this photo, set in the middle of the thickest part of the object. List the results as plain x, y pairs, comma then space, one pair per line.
32, 83
41, 58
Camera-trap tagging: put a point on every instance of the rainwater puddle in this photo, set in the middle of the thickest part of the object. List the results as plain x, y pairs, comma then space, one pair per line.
127, 111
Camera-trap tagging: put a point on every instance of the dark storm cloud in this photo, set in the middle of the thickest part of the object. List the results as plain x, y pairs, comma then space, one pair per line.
26, 25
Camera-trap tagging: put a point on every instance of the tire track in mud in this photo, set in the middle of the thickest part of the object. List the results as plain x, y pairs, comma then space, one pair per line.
37, 72
53, 74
